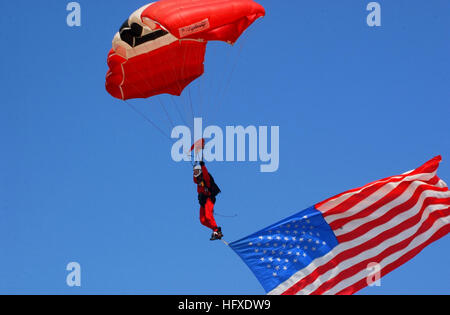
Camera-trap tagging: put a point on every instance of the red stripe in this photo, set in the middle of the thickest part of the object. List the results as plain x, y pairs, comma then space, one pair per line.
395, 193
351, 252
392, 213
429, 167
347, 273
391, 196
405, 258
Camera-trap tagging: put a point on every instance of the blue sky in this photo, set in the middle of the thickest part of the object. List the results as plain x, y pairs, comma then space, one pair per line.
85, 179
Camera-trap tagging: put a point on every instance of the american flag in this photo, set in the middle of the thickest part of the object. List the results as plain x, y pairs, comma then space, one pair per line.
327, 248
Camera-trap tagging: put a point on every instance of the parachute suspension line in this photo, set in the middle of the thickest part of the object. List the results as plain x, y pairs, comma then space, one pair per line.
148, 120
178, 110
200, 97
190, 103
149, 84
221, 94
161, 103
165, 111
134, 108
151, 122
225, 216
182, 117
182, 74
201, 82
214, 85
231, 62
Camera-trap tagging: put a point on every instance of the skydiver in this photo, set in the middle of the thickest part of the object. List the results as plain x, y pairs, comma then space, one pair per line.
207, 191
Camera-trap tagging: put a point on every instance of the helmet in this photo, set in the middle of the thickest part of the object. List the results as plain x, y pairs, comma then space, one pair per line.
197, 170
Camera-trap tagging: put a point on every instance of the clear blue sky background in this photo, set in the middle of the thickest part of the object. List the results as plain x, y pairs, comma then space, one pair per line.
85, 179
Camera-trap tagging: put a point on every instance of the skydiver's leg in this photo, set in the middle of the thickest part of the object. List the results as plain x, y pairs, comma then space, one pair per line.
203, 219
209, 215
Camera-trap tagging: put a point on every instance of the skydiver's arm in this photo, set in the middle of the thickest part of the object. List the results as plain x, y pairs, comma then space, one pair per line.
205, 173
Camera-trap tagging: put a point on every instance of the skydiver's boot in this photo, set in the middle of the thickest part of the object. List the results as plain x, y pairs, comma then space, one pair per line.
217, 235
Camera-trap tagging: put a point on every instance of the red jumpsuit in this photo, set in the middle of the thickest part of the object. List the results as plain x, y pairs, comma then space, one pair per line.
206, 201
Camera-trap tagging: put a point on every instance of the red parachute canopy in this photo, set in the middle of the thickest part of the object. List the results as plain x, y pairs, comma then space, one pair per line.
161, 47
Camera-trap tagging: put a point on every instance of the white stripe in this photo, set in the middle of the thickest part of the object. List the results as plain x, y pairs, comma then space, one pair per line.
371, 252
337, 250
135, 17
419, 240
126, 51
334, 202
377, 195
121, 83
404, 197
441, 184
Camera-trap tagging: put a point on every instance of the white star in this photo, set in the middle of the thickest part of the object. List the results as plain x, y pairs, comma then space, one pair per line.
250, 244
269, 266
270, 259
262, 259
313, 249
269, 238
277, 267
278, 259
284, 268
274, 274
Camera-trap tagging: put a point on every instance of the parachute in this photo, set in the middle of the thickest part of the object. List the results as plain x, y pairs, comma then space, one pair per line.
161, 48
